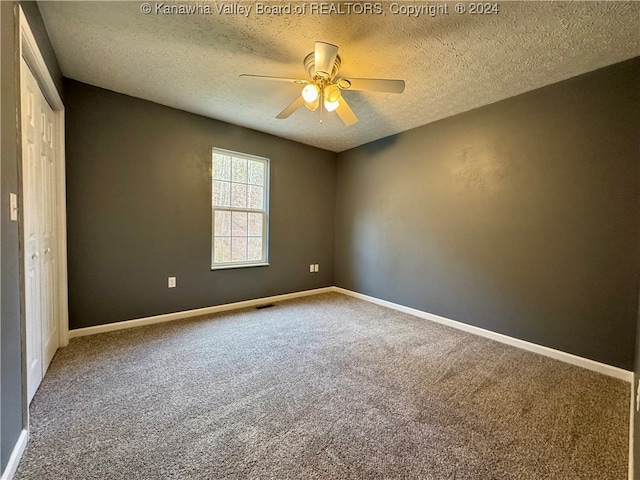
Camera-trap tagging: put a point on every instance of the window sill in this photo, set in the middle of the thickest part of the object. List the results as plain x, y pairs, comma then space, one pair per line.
240, 265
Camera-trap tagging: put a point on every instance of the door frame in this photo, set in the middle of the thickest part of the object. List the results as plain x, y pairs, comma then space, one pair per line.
28, 49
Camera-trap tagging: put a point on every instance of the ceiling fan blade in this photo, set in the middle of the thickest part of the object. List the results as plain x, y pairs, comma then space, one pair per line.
325, 57
276, 79
345, 113
296, 104
371, 84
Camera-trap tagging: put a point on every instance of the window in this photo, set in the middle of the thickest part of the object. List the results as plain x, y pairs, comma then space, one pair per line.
239, 209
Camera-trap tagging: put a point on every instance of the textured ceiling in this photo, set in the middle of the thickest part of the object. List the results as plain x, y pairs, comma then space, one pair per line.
451, 63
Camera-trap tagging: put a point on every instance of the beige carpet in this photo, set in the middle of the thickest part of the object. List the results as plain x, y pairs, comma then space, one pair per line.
324, 387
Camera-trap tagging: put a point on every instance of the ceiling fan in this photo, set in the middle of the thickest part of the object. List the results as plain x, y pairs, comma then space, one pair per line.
324, 88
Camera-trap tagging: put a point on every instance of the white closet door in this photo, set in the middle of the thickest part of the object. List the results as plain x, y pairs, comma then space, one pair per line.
48, 248
38, 172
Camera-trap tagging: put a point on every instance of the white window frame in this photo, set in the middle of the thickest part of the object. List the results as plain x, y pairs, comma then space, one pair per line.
265, 213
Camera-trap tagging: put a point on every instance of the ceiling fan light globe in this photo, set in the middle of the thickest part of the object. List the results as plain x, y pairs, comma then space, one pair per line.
310, 93
313, 106
331, 106
332, 93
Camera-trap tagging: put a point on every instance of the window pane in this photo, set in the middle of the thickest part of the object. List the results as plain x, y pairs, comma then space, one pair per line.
239, 224
238, 249
256, 173
221, 167
256, 197
254, 250
222, 249
222, 222
255, 225
221, 193
238, 195
239, 170
239, 190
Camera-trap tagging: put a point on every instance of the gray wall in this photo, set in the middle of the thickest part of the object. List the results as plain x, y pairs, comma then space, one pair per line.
520, 217
139, 210
11, 361
11, 405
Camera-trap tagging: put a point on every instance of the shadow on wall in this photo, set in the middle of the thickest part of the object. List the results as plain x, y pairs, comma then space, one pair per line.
379, 146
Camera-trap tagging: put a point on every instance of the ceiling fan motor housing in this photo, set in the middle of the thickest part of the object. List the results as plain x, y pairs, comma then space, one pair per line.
310, 66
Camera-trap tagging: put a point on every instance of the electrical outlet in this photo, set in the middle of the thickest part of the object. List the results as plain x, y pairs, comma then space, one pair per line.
172, 282
311, 268
315, 268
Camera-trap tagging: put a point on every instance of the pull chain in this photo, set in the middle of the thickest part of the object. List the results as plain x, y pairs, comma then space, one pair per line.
321, 103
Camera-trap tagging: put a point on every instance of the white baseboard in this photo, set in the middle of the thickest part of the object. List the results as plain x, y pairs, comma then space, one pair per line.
516, 342
603, 368
15, 457
110, 327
